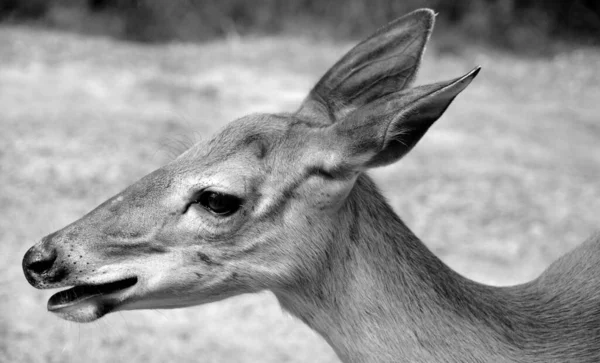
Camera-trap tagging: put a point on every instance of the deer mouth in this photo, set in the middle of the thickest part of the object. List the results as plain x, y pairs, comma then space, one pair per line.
97, 296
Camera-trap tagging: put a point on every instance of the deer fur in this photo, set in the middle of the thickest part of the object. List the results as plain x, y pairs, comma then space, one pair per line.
382, 296
312, 227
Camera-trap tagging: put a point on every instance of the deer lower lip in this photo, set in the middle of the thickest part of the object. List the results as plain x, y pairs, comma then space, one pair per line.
81, 293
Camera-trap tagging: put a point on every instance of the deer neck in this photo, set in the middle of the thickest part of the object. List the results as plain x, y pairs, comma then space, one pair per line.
383, 296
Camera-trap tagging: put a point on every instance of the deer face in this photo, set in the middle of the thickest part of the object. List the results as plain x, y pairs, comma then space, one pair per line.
256, 206
226, 217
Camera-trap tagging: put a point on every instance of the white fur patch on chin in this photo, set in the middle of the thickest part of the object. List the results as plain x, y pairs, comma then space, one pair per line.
83, 312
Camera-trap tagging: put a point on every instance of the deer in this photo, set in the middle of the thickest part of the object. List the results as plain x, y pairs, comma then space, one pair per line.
284, 202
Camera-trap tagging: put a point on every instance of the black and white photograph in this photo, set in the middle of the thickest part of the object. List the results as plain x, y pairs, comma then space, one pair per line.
287, 181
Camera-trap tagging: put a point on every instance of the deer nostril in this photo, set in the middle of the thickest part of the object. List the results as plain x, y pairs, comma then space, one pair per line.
41, 266
40, 261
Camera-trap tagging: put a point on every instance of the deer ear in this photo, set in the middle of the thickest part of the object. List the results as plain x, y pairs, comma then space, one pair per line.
385, 62
383, 131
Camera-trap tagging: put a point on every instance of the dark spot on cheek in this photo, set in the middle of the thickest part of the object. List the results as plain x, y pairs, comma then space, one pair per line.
156, 248
198, 274
262, 151
206, 259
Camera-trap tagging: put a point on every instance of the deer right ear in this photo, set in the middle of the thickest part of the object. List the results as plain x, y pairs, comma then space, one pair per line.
384, 130
385, 62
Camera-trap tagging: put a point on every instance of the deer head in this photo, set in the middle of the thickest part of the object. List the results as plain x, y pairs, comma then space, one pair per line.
256, 207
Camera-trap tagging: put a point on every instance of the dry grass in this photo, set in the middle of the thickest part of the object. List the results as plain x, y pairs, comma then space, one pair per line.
506, 182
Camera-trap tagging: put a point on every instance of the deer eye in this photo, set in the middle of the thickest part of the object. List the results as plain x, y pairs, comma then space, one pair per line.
220, 204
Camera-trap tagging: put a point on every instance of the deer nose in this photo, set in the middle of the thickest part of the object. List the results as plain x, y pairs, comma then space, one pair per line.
38, 260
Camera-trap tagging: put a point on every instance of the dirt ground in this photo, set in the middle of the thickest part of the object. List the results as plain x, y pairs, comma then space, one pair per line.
503, 184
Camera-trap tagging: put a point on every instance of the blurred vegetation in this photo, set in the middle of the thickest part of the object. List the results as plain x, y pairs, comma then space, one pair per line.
511, 24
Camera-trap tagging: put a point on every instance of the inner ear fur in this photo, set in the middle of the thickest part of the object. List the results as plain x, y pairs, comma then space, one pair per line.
383, 131
384, 63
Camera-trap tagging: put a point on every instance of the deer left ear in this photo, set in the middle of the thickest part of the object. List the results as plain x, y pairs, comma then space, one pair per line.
384, 63
383, 131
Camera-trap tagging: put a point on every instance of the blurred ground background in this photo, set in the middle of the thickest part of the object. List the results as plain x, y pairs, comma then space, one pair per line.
94, 95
